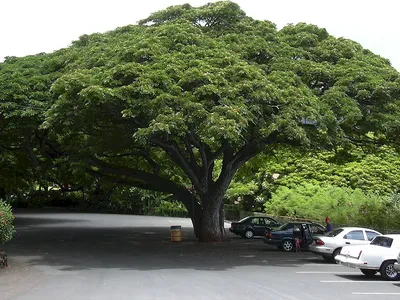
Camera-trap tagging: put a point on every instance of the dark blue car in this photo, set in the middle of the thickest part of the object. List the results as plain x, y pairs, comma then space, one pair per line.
283, 236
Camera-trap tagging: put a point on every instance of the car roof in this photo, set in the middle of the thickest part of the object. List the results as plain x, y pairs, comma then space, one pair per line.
356, 228
298, 222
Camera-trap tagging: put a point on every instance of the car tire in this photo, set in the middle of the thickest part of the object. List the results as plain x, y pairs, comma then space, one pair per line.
248, 234
336, 252
388, 272
368, 273
287, 245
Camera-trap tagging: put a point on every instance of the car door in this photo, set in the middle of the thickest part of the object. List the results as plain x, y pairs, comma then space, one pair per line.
355, 237
307, 239
258, 226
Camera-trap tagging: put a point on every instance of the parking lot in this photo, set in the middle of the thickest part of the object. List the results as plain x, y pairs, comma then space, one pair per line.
97, 256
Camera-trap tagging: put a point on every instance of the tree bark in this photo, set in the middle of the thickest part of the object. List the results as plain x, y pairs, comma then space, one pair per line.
212, 222
208, 221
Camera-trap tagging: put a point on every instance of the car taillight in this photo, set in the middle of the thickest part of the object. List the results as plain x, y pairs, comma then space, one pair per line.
359, 254
268, 235
319, 242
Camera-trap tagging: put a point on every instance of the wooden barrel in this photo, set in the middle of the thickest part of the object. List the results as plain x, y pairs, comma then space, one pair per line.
176, 233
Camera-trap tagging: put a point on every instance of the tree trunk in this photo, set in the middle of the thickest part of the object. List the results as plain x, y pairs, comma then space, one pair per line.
212, 223
208, 220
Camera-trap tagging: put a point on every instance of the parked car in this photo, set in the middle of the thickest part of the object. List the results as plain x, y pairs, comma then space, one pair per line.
283, 236
329, 244
397, 264
379, 256
253, 226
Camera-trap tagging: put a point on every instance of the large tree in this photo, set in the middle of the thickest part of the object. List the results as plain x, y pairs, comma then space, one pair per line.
158, 104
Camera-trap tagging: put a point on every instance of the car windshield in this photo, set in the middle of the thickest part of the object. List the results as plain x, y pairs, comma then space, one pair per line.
244, 219
382, 241
334, 232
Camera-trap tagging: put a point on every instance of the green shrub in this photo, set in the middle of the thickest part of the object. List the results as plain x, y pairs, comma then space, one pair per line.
345, 206
171, 209
6, 222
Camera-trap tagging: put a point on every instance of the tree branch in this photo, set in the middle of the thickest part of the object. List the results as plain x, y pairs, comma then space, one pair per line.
192, 158
132, 176
176, 155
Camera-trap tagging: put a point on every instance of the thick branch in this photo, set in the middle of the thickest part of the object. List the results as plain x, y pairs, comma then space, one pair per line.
133, 177
174, 152
192, 158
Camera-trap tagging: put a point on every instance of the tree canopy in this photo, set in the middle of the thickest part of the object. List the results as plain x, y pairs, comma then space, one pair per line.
156, 105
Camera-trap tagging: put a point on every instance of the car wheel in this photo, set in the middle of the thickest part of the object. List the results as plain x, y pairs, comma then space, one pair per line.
287, 245
388, 272
368, 273
336, 252
249, 234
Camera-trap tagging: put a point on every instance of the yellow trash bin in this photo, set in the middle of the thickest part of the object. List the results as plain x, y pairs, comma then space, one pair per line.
176, 233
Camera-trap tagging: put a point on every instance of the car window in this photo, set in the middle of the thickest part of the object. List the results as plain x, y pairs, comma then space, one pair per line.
283, 227
371, 235
334, 232
287, 226
256, 221
355, 235
269, 221
316, 229
261, 221
382, 241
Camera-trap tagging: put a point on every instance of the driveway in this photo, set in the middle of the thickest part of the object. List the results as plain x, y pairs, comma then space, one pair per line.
98, 256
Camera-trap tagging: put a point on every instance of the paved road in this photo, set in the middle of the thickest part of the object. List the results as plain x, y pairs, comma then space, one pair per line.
76, 256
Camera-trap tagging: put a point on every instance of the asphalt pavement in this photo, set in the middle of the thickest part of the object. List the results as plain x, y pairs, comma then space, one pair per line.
79, 256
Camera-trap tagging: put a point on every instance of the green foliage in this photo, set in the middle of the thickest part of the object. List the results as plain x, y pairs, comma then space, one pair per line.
171, 209
344, 206
135, 201
6, 223
375, 170
186, 97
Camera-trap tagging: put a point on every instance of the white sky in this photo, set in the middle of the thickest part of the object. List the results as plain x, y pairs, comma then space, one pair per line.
34, 26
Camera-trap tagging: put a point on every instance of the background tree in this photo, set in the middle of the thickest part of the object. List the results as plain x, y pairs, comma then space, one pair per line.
372, 169
156, 105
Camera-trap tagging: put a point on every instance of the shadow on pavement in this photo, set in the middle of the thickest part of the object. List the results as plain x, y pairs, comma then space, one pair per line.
72, 244
362, 277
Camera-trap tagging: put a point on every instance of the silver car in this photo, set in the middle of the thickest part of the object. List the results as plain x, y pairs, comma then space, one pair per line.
397, 264
329, 244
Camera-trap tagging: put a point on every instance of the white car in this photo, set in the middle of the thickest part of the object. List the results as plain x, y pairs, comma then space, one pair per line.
397, 264
329, 244
379, 256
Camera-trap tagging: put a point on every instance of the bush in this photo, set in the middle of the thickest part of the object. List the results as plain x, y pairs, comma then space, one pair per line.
345, 206
6, 222
171, 209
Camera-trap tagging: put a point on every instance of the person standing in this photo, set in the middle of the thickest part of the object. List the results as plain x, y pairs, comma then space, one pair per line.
297, 237
329, 226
